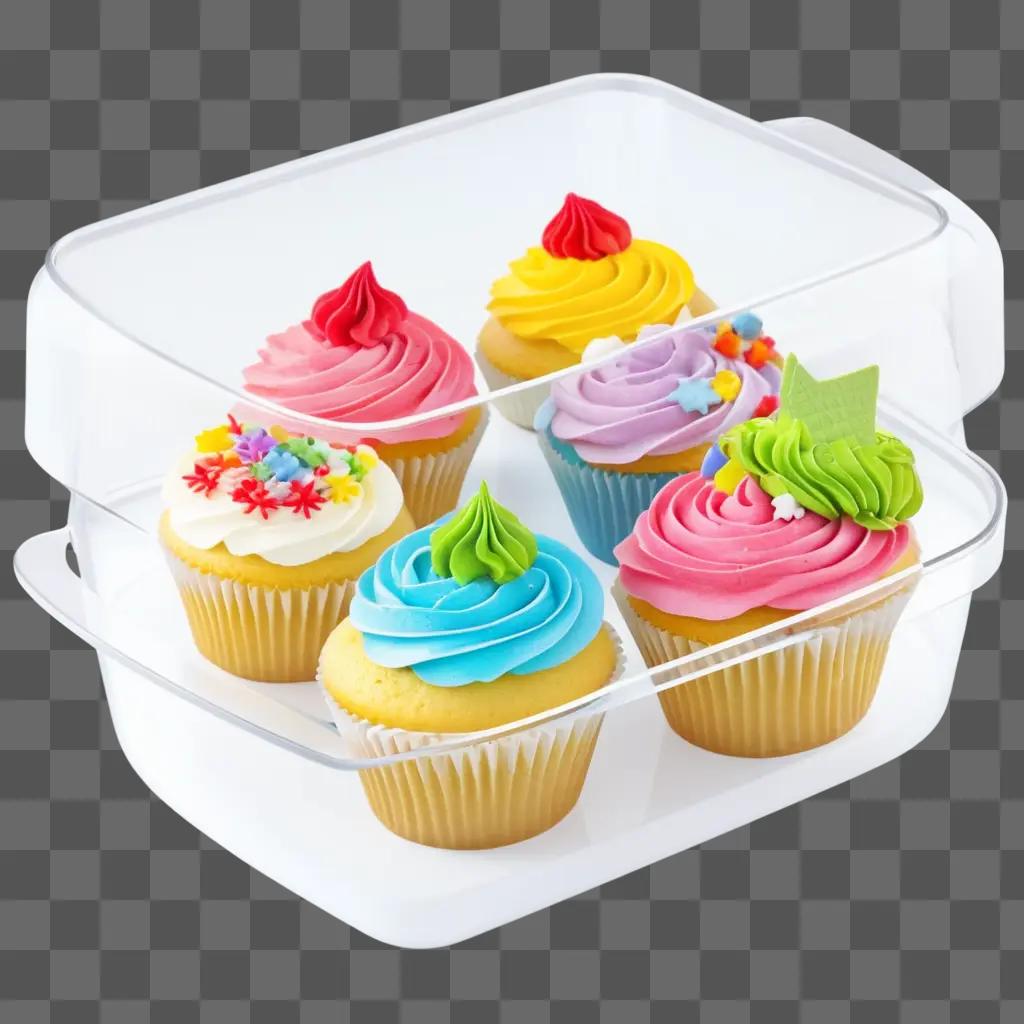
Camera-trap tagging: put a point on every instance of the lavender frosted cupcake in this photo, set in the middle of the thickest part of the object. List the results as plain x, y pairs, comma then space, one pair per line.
616, 434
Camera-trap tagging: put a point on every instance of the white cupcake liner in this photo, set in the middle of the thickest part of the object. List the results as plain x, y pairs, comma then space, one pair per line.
431, 483
520, 408
487, 794
782, 701
261, 633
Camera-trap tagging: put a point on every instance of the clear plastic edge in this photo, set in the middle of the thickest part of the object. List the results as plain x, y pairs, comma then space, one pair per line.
625, 690
450, 122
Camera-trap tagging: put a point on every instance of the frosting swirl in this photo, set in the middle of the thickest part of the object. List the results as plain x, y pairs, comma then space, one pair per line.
482, 539
452, 634
571, 301
700, 552
875, 484
620, 412
585, 230
358, 374
360, 312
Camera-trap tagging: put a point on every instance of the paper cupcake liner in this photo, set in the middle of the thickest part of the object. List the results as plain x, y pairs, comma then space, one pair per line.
489, 794
603, 505
431, 483
520, 408
783, 701
260, 633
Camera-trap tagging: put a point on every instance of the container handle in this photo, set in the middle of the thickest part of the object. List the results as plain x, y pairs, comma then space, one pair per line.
976, 270
42, 569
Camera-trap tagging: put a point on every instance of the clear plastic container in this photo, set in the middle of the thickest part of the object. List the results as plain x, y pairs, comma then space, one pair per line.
138, 329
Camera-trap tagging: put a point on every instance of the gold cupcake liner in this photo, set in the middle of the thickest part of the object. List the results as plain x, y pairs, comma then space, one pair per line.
483, 796
431, 483
520, 408
262, 633
783, 701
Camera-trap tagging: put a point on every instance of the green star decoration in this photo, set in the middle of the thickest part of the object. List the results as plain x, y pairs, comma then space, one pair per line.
842, 407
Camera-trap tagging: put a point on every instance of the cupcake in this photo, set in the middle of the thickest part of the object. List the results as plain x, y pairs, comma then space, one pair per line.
588, 279
469, 625
363, 357
266, 535
788, 514
615, 435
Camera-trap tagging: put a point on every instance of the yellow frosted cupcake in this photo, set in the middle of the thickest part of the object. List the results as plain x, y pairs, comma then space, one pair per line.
590, 279
266, 534
469, 625
789, 513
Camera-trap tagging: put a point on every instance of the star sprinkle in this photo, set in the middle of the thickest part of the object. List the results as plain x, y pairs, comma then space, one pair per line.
758, 354
343, 488
714, 460
728, 478
203, 480
366, 457
695, 395
304, 499
256, 497
786, 508
308, 450
268, 470
216, 439
222, 461
283, 464
743, 338
254, 445
747, 326
766, 406
728, 342
726, 384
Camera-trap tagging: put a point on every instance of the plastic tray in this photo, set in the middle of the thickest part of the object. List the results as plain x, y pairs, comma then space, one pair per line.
869, 262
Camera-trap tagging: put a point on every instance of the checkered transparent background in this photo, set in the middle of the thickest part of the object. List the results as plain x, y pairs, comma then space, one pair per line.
898, 897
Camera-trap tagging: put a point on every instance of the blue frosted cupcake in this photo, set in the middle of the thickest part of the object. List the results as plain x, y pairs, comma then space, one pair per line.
469, 625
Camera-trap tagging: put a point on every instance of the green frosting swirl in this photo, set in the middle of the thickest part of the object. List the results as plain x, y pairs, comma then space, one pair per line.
875, 484
482, 539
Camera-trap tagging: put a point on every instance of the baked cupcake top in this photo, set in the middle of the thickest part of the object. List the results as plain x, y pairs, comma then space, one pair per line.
475, 597
590, 278
788, 512
678, 392
289, 500
364, 357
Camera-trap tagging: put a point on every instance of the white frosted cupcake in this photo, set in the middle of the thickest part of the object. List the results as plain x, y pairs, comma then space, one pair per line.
266, 534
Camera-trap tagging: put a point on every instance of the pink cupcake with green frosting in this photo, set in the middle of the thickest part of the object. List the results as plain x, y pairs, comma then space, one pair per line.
789, 513
364, 357
615, 434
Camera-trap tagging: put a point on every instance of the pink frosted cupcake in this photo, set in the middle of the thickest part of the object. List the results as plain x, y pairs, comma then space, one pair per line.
788, 514
364, 357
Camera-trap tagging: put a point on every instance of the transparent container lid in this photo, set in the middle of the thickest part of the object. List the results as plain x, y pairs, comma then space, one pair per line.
442, 208
148, 318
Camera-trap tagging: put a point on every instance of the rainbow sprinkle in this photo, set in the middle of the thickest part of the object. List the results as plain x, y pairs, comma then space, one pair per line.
269, 470
743, 337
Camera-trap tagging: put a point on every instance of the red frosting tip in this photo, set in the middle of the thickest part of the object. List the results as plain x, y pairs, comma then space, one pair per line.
360, 312
585, 230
